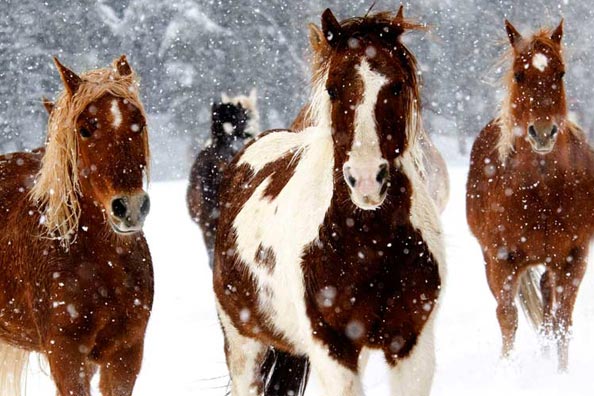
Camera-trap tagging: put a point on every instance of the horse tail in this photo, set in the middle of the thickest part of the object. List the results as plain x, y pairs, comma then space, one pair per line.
284, 374
530, 296
13, 369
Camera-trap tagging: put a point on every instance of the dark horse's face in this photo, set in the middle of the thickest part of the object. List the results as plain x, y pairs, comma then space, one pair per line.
230, 120
112, 145
371, 84
538, 107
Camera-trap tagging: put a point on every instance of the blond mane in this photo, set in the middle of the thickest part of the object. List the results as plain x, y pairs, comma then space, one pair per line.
505, 144
57, 188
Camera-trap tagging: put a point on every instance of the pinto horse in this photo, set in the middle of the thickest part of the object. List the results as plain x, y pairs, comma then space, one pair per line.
76, 279
328, 240
235, 120
529, 192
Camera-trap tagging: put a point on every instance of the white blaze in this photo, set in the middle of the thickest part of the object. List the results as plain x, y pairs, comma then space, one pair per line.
116, 113
540, 61
366, 142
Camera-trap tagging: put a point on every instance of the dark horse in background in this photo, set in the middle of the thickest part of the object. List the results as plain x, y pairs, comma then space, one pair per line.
529, 194
328, 242
76, 278
234, 121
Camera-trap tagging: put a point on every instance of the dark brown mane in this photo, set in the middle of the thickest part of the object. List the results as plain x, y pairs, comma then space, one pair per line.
382, 25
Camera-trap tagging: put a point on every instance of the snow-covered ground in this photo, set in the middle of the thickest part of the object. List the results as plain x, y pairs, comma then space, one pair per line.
184, 348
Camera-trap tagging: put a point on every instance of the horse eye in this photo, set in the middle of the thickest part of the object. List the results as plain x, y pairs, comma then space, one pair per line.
519, 77
561, 74
332, 93
84, 132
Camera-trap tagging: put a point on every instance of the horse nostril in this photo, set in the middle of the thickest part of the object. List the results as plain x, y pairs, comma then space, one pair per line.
554, 130
119, 208
351, 181
382, 175
146, 205
532, 131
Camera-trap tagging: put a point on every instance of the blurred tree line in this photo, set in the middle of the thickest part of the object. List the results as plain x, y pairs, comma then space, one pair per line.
189, 51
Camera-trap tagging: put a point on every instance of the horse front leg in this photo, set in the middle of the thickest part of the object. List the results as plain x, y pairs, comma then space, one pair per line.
120, 371
503, 280
413, 374
70, 368
245, 357
337, 378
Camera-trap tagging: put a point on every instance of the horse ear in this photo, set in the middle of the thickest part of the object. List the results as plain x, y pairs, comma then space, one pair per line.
70, 79
225, 98
558, 33
122, 66
512, 33
330, 27
316, 38
254, 95
400, 14
48, 104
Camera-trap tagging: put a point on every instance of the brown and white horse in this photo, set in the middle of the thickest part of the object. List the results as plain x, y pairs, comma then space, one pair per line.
76, 279
328, 240
529, 194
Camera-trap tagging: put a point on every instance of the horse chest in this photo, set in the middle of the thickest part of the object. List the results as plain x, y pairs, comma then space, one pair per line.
369, 285
525, 209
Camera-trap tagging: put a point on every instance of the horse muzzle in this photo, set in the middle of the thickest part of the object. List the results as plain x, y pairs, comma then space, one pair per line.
128, 212
542, 137
367, 186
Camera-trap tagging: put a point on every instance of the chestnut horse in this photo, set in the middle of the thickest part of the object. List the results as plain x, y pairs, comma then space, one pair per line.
234, 121
529, 190
76, 279
328, 241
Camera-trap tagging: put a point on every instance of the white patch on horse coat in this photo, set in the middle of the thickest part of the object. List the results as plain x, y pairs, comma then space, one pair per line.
116, 114
413, 375
366, 149
540, 61
270, 148
228, 128
287, 224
